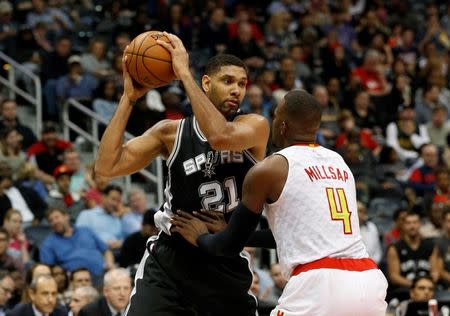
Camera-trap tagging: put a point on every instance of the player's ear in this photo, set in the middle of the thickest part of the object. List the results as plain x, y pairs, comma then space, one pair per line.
206, 83
283, 128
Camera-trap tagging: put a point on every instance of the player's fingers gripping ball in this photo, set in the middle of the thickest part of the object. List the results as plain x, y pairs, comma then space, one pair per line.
149, 63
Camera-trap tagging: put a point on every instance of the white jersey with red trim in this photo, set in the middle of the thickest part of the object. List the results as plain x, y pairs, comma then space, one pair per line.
316, 214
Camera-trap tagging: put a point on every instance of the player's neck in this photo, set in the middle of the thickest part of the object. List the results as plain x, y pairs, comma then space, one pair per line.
300, 142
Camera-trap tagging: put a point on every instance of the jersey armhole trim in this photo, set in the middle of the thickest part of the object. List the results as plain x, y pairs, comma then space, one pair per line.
287, 179
177, 144
250, 156
198, 131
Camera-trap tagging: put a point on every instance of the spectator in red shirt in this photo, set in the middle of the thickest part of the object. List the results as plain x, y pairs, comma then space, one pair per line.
47, 153
348, 129
371, 74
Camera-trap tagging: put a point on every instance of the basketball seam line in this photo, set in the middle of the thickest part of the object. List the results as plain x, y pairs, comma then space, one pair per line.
143, 40
149, 70
151, 57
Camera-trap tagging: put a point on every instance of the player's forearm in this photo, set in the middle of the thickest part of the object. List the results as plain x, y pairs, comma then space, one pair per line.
211, 121
110, 148
230, 241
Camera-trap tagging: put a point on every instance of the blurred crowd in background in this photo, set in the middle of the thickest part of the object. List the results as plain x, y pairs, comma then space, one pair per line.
380, 69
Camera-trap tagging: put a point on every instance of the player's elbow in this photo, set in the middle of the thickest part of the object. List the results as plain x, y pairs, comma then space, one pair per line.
219, 141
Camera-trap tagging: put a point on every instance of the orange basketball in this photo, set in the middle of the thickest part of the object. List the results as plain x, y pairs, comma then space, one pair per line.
148, 63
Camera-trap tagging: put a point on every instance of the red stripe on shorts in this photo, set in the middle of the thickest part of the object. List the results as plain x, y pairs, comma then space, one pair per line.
348, 264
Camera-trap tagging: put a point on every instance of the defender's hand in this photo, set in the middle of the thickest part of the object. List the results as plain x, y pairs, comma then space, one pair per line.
215, 221
180, 56
131, 88
188, 226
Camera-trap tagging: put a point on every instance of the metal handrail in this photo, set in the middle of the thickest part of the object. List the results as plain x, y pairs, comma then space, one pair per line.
10, 82
92, 137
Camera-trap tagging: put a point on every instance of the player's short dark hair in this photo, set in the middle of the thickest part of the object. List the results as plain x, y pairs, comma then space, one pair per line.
216, 62
112, 187
302, 106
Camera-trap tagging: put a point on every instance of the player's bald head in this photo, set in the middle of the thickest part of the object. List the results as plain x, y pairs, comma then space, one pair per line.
297, 118
303, 109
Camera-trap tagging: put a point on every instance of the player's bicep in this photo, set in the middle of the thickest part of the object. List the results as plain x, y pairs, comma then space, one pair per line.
264, 182
241, 134
138, 152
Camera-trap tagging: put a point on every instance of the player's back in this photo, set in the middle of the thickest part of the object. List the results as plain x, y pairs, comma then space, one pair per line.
315, 216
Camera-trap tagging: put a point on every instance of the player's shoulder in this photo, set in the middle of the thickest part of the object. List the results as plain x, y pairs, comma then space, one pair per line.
270, 166
165, 127
253, 118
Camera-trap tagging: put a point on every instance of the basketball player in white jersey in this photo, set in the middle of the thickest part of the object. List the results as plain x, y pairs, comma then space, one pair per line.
309, 195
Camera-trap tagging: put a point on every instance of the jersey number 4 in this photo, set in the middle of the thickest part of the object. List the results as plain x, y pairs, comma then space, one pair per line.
340, 213
213, 193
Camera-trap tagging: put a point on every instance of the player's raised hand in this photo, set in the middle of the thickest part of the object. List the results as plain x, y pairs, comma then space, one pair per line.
215, 221
180, 56
131, 88
188, 226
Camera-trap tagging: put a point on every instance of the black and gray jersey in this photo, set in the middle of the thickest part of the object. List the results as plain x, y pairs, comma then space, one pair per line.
200, 177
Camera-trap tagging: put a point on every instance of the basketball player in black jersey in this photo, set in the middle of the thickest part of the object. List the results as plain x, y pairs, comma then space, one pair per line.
207, 156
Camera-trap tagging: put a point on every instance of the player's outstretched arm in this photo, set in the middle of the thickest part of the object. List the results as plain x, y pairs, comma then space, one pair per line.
117, 159
263, 182
248, 131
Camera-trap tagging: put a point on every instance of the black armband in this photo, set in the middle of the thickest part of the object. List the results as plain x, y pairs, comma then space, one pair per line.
233, 238
262, 239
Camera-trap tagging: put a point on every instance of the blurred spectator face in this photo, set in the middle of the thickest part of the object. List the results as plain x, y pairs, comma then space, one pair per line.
268, 77
63, 47
175, 12
60, 277
81, 278
217, 16
244, 32
98, 49
72, 160
378, 42
75, 69
111, 201
422, 291
352, 153
339, 53
255, 97
287, 65
9, 111
277, 277
50, 139
138, 202
122, 40
59, 222
7, 287
432, 95
407, 114
13, 224
401, 82
63, 182
408, 37
118, 292
110, 90
411, 225
13, 140
430, 155
79, 300
371, 62
4, 241
437, 213
443, 181
289, 81
362, 101
296, 53
254, 288
44, 297
399, 67
38, 5
438, 118
333, 86
321, 95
